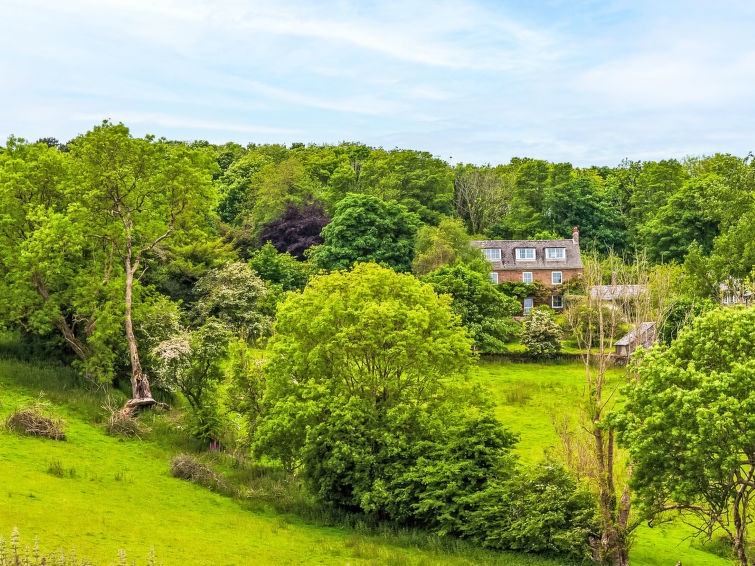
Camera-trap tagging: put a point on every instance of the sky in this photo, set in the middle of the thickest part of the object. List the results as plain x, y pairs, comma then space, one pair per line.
478, 82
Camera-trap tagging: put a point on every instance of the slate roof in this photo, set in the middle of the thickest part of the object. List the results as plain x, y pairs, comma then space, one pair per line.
573, 259
629, 337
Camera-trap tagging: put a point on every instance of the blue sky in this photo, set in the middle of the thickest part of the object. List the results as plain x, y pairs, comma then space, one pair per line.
586, 82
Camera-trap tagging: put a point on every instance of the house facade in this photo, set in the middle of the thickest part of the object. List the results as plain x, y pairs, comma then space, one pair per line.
550, 262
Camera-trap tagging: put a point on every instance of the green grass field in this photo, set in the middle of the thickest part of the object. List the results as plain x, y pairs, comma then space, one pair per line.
108, 493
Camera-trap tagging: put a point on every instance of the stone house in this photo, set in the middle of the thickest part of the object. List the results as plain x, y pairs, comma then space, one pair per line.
550, 262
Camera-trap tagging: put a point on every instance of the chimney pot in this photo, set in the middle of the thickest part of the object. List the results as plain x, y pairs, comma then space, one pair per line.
575, 235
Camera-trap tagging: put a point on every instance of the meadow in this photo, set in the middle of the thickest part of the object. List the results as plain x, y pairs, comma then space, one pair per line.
100, 493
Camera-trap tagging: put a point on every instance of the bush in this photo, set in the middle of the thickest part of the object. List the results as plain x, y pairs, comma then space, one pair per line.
541, 335
187, 467
542, 510
36, 420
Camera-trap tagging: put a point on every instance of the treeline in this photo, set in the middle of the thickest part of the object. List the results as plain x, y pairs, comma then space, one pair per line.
108, 227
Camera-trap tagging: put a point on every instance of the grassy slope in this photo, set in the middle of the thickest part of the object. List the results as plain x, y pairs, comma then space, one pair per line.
121, 495
528, 396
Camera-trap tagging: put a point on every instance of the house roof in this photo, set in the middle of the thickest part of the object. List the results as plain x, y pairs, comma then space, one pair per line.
629, 337
613, 292
573, 259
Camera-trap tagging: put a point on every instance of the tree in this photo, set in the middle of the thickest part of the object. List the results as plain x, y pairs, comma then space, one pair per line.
580, 202
369, 336
688, 425
42, 250
483, 310
276, 186
191, 361
684, 219
297, 229
415, 179
442, 245
133, 194
280, 268
481, 196
596, 436
541, 336
365, 228
233, 295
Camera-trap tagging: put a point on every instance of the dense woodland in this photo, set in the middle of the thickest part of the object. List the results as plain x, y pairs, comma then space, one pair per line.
164, 268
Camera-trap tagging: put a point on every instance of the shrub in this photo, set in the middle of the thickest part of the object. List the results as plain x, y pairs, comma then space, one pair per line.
541, 509
541, 335
187, 467
36, 420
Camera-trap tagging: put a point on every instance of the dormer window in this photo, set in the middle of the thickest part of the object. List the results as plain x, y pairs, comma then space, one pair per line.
525, 254
492, 254
555, 253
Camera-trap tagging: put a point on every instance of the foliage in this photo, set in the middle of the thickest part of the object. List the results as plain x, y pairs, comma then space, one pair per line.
483, 310
681, 314
438, 246
541, 509
297, 229
541, 335
247, 385
417, 180
233, 295
278, 268
365, 228
687, 424
191, 361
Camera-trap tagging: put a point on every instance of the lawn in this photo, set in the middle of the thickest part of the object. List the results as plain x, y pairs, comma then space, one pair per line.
529, 396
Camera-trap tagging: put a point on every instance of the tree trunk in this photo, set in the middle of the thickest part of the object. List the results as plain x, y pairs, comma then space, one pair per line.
139, 383
61, 323
739, 538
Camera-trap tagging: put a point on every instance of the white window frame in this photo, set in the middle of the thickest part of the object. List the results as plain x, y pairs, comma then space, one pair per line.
560, 300
521, 256
524, 277
551, 255
526, 308
560, 277
492, 254
494, 277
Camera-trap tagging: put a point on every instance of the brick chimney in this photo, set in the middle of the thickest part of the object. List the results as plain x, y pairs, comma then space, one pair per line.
575, 235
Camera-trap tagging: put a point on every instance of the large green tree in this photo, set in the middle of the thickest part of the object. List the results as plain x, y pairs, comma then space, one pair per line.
364, 394
689, 427
51, 273
370, 333
365, 228
131, 195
